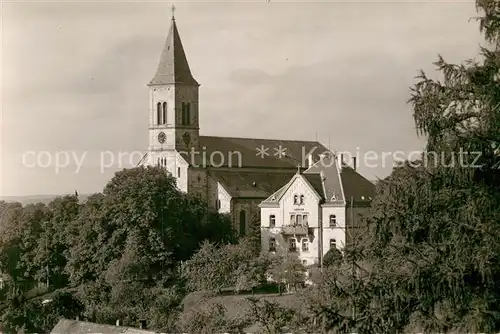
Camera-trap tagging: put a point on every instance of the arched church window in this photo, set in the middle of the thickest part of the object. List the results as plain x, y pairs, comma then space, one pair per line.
164, 113
185, 113
158, 113
243, 222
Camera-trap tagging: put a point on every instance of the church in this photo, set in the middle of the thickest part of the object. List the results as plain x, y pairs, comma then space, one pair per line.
239, 176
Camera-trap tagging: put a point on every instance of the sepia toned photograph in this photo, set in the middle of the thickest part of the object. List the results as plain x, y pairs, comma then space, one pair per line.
256, 166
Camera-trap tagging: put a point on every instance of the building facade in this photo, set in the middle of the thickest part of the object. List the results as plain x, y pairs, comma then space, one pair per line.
317, 210
234, 175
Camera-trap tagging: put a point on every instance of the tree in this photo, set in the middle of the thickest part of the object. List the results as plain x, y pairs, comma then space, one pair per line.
333, 258
21, 230
50, 257
207, 270
433, 256
121, 249
251, 273
212, 319
254, 235
287, 270
143, 225
33, 316
272, 317
62, 304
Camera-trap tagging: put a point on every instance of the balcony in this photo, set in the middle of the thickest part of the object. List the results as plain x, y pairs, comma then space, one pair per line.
295, 230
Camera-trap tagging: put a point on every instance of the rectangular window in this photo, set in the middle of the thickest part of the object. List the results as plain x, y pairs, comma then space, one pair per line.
178, 172
293, 245
272, 221
304, 220
292, 220
333, 244
299, 219
272, 245
305, 245
333, 221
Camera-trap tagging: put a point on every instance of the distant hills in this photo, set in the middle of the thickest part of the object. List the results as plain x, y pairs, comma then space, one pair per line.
47, 198
37, 198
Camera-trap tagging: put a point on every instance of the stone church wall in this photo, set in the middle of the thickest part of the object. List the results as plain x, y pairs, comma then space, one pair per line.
252, 211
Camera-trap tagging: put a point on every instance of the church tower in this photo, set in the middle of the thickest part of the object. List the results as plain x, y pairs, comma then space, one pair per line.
173, 109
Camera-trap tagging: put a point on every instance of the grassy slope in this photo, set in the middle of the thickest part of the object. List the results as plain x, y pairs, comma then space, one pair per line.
236, 305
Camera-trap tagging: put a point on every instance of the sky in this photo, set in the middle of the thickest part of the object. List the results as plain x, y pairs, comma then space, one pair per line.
74, 78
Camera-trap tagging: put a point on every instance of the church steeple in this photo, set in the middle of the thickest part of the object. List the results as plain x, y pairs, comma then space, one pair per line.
173, 67
173, 105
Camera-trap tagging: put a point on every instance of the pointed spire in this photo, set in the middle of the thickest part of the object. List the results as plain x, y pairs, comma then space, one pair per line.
173, 66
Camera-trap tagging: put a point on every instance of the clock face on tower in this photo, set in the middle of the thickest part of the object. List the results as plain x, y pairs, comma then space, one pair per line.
162, 137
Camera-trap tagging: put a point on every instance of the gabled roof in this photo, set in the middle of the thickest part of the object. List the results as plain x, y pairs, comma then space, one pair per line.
315, 187
327, 169
315, 182
65, 326
249, 149
331, 185
173, 66
360, 189
274, 198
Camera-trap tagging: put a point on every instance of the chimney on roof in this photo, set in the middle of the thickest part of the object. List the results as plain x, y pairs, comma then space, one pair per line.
77, 318
310, 161
354, 163
118, 322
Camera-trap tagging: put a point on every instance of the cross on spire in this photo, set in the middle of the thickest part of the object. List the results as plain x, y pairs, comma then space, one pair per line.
173, 11
298, 168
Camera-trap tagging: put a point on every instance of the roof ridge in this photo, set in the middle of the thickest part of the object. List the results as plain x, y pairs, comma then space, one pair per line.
289, 140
